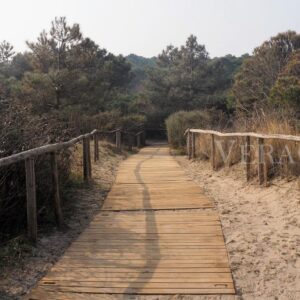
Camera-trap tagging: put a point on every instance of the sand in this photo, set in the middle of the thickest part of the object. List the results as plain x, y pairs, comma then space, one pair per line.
261, 228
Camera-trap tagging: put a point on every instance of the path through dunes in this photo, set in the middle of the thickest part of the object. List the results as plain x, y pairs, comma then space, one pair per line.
157, 234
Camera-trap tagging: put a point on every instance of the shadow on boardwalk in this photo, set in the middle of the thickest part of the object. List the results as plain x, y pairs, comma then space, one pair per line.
151, 249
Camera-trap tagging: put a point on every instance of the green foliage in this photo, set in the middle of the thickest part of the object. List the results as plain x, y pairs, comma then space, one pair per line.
286, 91
106, 121
186, 79
73, 70
140, 62
6, 52
259, 72
37, 89
179, 122
140, 65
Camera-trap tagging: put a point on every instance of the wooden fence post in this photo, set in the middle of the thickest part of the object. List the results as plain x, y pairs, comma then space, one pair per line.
247, 157
138, 140
86, 158
193, 145
262, 164
188, 144
96, 147
118, 139
284, 170
31, 199
131, 142
213, 152
89, 156
56, 195
143, 138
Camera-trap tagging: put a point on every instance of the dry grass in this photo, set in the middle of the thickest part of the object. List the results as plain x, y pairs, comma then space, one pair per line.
284, 157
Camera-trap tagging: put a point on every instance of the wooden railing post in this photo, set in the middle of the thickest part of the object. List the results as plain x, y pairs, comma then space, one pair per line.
118, 139
262, 164
247, 157
89, 156
138, 140
86, 159
131, 142
31, 199
96, 147
193, 145
56, 195
213, 152
284, 167
143, 138
188, 145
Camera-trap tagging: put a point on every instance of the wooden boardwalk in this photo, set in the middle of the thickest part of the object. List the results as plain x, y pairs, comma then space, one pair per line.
157, 234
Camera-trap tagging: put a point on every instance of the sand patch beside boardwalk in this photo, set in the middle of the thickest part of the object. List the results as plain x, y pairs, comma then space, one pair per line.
261, 228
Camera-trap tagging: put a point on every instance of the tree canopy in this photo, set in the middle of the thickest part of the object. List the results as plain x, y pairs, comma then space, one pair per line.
187, 78
259, 72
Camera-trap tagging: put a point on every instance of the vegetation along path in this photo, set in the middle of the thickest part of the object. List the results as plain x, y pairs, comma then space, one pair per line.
156, 234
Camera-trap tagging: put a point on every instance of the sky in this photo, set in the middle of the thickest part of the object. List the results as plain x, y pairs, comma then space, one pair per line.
146, 27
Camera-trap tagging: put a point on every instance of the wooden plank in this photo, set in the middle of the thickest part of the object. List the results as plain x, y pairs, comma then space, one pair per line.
217, 288
144, 284
142, 270
40, 294
85, 275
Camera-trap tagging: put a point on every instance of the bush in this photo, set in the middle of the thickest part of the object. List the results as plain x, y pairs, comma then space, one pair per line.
106, 121
179, 122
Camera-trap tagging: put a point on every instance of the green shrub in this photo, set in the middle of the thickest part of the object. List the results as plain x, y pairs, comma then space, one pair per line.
179, 122
109, 120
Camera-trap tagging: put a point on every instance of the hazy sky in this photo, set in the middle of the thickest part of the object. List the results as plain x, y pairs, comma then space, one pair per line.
145, 27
